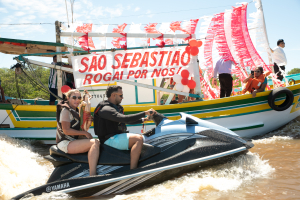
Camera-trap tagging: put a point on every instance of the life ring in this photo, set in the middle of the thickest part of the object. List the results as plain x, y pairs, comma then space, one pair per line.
275, 94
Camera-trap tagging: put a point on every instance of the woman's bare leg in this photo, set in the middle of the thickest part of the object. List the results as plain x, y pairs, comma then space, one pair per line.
86, 145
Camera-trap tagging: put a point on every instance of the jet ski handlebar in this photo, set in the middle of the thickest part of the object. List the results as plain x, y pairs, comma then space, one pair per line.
156, 117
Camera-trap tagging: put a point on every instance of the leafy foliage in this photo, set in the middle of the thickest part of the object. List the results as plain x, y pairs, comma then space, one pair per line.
27, 89
294, 71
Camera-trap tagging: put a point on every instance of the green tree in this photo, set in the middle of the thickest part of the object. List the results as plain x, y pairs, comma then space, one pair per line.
294, 71
28, 89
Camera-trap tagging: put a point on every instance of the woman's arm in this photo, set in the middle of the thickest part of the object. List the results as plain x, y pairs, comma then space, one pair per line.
261, 89
69, 131
247, 79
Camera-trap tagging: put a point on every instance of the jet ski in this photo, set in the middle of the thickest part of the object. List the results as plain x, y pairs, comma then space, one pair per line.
172, 148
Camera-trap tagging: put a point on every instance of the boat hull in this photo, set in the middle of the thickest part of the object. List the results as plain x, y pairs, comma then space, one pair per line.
246, 116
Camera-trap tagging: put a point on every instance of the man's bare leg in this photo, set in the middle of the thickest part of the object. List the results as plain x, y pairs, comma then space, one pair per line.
136, 144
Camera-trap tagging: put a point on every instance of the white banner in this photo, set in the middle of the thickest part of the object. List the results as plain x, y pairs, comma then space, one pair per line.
137, 64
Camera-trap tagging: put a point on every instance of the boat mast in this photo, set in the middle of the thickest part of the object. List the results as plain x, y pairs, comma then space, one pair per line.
59, 59
265, 30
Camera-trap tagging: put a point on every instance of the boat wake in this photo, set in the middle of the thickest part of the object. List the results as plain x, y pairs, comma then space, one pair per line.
214, 182
20, 168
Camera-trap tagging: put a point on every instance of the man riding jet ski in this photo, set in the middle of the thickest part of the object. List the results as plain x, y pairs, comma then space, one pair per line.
171, 149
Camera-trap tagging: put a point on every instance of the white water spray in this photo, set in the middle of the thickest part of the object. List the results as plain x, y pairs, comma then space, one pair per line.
20, 168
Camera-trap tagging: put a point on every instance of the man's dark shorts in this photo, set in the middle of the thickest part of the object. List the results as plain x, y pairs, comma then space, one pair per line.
54, 91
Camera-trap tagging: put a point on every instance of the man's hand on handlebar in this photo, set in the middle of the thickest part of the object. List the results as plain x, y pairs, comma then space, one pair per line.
150, 112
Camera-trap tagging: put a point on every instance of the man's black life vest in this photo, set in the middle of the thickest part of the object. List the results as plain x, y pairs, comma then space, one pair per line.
106, 128
75, 123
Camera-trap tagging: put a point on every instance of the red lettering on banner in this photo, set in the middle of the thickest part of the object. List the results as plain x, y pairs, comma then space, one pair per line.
144, 73
162, 57
164, 72
172, 72
144, 60
84, 64
137, 74
88, 78
99, 79
131, 72
178, 70
126, 60
121, 75
104, 62
155, 72
135, 60
94, 64
105, 78
153, 58
182, 58
116, 76
176, 58
169, 57
117, 59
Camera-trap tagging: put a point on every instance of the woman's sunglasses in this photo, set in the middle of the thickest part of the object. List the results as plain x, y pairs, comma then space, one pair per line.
76, 97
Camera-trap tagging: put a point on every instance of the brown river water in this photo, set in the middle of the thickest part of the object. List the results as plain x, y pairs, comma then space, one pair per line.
271, 170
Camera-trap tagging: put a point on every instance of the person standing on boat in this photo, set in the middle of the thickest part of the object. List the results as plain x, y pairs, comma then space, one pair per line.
109, 124
2, 97
68, 131
279, 59
52, 83
223, 68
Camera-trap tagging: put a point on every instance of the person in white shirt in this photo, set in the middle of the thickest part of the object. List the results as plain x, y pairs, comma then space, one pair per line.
223, 68
279, 59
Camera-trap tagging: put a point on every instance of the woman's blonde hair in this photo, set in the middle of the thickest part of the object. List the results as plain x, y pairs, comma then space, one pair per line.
68, 94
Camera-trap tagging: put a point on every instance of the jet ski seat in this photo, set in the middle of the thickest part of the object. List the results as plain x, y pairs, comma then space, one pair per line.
108, 155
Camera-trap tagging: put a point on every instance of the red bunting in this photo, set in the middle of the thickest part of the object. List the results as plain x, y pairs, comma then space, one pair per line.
220, 38
124, 39
116, 41
151, 28
85, 41
175, 26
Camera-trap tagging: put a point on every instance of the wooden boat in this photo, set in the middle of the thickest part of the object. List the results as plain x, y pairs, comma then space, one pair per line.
245, 115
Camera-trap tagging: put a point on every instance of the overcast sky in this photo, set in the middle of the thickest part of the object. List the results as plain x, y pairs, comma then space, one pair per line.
282, 18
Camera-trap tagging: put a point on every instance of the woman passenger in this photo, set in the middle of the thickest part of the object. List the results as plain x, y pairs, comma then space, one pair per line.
257, 82
68, 131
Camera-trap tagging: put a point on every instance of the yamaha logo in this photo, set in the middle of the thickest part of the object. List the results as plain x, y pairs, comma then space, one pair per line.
57, 187
48, 189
